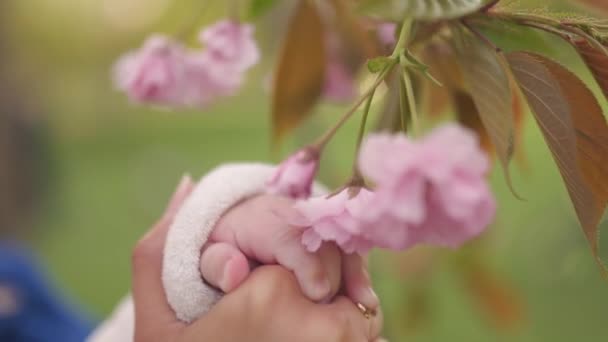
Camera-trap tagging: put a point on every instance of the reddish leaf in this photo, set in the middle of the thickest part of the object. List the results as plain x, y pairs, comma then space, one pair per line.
599, 4
498, 300
301, 70
488, 83
468, 116
443, 65
357, 43
596, 60
436, 99
575, 130
519, 108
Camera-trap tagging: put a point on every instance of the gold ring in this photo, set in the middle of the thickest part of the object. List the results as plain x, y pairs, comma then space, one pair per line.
368, 313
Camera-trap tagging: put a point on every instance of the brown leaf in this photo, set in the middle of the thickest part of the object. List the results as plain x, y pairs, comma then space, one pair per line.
443, 65
487, 81
519, 111
596, 60
575, 130
436, 99
301, 70
599, 4
498, 300
468, 116
357, 42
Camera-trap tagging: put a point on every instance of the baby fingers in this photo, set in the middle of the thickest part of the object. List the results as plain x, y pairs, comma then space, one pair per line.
224, 266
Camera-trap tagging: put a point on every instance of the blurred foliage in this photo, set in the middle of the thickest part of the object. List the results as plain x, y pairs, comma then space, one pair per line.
115, 165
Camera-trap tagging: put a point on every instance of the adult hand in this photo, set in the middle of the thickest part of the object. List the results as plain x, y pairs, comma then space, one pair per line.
268, 306
256, 229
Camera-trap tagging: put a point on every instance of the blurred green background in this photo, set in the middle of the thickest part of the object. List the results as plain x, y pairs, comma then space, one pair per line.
112, 167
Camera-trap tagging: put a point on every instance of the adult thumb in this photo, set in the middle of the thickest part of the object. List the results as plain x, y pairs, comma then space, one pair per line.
152, 312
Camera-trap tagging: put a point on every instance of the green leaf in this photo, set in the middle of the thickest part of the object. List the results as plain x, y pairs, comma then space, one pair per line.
300, 72
575, 130
375, 65
487, 81
422, 9
257, 8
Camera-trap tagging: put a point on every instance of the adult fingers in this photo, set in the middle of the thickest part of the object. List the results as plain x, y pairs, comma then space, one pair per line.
224, 266
354, 324
151, 307
357, 282
268, 305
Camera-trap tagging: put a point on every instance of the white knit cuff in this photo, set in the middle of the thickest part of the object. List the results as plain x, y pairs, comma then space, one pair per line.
187, 293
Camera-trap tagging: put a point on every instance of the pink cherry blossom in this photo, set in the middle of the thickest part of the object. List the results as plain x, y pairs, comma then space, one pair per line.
231, 43
155, 73
340, 83
165, 73
333, 219
435, 187
342, 219
206, 81
294, 177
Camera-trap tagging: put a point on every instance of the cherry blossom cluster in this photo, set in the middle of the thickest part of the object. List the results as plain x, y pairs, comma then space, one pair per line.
427, 191
166, 73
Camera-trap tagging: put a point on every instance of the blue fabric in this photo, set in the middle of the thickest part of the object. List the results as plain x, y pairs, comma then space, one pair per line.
31, 310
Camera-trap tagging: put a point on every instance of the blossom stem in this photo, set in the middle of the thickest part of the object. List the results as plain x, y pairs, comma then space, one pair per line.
411, 99
404, 36
196, 19
361, 133
326, 137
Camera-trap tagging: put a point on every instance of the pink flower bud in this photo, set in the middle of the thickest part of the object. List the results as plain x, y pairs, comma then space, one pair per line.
294, 176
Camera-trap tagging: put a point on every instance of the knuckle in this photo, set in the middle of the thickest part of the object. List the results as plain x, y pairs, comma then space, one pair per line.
338, 326
268, 293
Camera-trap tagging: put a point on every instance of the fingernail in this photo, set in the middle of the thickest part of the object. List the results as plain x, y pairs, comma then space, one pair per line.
182, 186
368, 297
322, 290
224, 282
178, 195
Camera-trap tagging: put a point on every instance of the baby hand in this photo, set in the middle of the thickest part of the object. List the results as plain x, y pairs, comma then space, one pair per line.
256, 230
